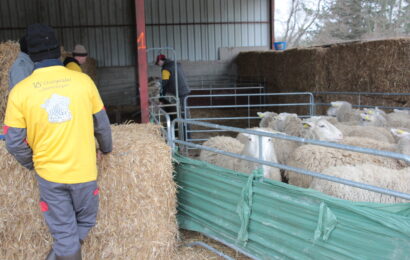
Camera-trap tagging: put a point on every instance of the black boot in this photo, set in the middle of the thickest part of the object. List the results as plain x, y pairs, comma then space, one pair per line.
51, 255
76, 256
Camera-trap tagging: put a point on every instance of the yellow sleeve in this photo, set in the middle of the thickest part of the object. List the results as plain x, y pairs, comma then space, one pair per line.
96, 100
73, 66
166, 75
14, 115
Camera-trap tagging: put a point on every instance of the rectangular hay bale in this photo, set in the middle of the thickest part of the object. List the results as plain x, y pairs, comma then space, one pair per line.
136, 219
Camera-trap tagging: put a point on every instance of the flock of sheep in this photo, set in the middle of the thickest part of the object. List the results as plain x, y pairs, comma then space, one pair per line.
368, 128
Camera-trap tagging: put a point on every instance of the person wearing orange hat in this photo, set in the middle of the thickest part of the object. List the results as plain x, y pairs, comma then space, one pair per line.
79, 57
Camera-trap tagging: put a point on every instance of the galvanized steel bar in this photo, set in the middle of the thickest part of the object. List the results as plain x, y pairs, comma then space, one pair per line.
248, 106
360, 93
272, 23
367, 106
393, 155
302, 140
210, 248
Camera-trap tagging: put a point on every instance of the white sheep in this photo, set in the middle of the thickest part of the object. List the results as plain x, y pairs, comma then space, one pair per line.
154, 87
290, 124
374, 132
278, 151
374, 119
403, 143
397, 180
318, 158
370, 143
312, 128
344, 112
284, 122
267, 119
399, 119
224, 143
249, 147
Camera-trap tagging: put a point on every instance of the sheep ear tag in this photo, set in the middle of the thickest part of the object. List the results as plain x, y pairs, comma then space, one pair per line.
365, 116
306, 125
398, 132
261, 114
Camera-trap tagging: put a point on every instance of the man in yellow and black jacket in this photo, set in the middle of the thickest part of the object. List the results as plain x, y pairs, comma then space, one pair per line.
52, 120
79, 57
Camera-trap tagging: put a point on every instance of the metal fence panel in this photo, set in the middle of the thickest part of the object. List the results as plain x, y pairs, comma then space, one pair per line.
272, 220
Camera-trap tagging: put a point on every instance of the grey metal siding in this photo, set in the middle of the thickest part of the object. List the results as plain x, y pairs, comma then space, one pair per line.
105, 27
196, 29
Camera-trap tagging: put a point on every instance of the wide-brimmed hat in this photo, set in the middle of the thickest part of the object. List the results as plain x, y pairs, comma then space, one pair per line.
79, 50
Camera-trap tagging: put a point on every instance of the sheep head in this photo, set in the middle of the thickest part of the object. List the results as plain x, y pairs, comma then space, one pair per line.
400, 133
320, 129
374, 119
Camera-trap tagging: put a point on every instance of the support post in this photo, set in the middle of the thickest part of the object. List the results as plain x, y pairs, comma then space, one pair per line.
272, 23
142, 66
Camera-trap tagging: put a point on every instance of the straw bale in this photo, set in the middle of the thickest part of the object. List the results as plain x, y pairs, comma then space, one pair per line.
8, 53
374, 66
137, 203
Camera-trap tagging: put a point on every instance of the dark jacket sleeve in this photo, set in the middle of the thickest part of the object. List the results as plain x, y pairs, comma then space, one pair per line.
102, 131
16, 145
164, 87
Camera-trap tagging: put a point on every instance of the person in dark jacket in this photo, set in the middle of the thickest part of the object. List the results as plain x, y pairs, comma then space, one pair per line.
168, 82
79, 58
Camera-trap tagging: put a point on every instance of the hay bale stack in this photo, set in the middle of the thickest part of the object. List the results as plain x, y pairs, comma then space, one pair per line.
8, 53
137, 203
374, 66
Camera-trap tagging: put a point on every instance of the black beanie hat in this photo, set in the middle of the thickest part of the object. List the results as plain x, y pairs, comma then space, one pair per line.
42, 43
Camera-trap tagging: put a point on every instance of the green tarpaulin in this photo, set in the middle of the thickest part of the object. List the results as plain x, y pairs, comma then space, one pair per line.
274, 220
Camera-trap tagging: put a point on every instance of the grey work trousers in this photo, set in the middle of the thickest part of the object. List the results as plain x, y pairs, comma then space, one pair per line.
70, 211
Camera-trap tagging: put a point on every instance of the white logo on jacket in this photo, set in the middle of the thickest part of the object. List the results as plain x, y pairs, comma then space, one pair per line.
57, 108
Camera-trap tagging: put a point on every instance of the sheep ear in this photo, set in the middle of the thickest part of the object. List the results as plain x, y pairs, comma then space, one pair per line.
307, 125
398, 132
365, 116
261, 114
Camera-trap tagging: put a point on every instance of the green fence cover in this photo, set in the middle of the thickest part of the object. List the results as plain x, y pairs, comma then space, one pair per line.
274, 220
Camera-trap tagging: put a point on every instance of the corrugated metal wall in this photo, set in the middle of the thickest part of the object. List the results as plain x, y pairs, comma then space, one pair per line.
195, 28
105, 27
